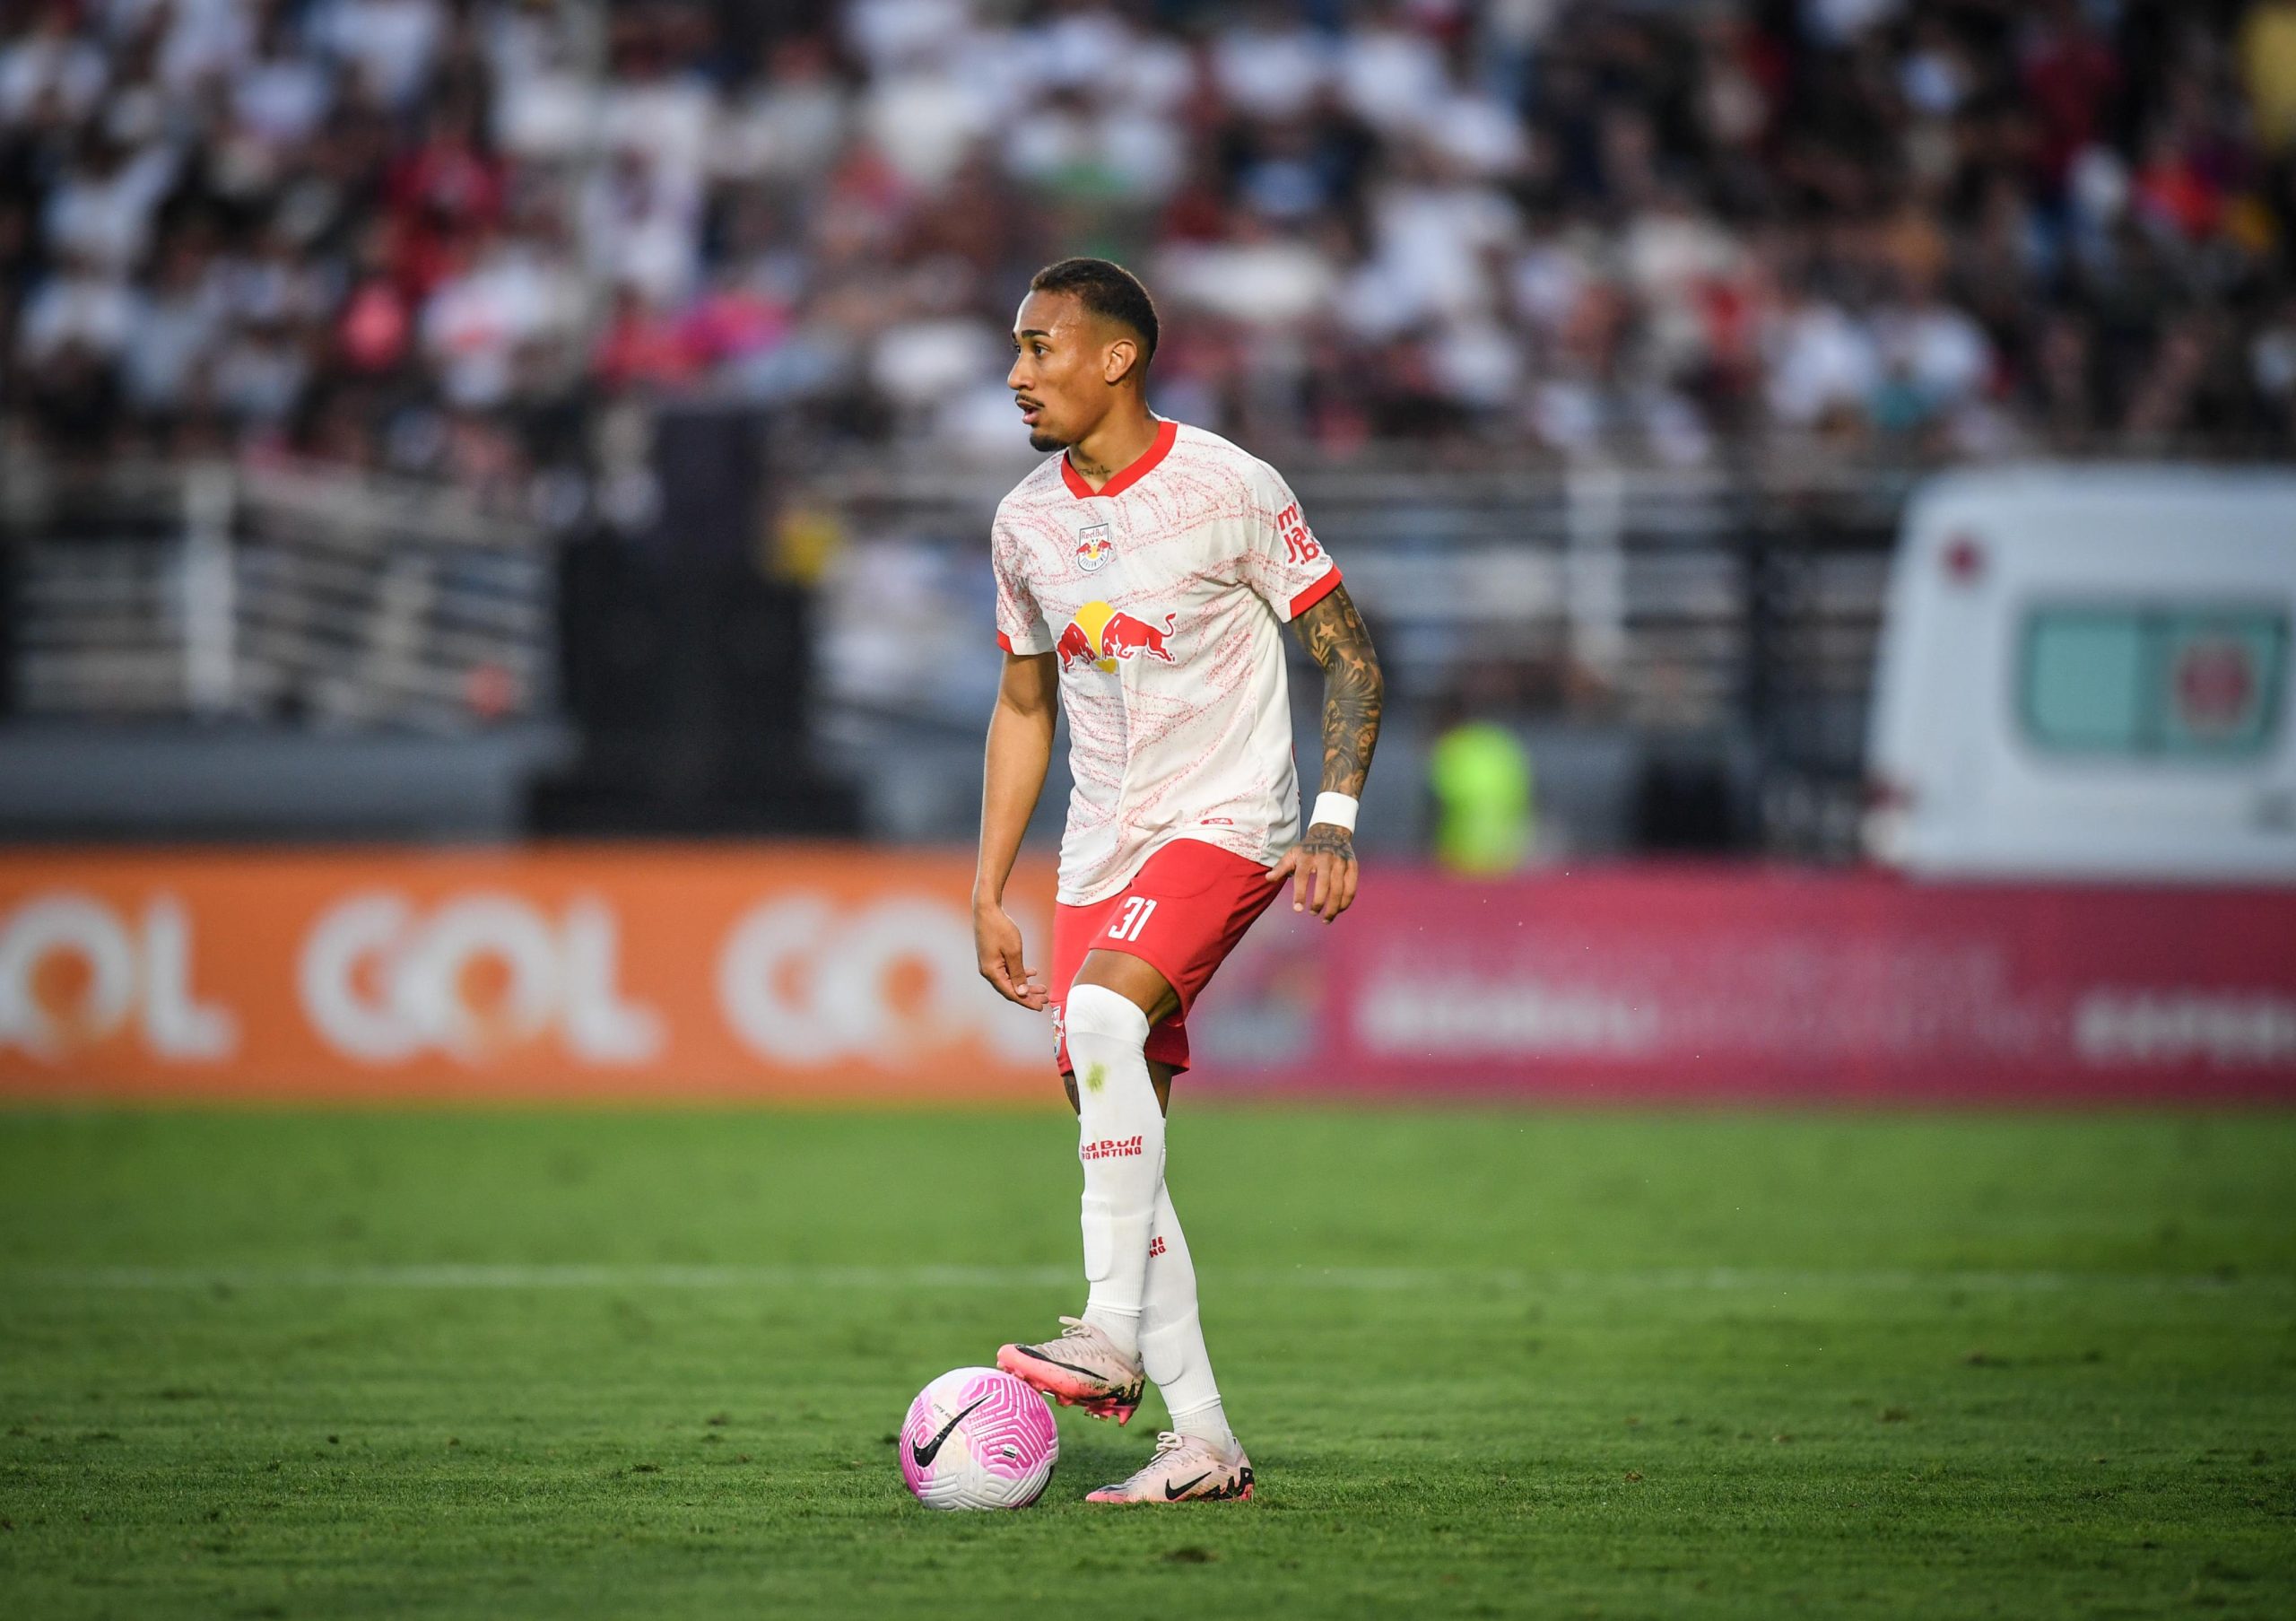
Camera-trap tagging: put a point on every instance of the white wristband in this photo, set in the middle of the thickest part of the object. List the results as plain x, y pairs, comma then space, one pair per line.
1337, 809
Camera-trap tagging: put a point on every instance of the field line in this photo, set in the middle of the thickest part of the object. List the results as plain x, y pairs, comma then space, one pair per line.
1513, 1280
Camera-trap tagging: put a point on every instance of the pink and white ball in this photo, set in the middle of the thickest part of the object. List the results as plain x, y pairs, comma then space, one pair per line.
976, 1438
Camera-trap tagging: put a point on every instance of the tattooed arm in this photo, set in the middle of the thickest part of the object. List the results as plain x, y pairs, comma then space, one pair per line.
1323, 863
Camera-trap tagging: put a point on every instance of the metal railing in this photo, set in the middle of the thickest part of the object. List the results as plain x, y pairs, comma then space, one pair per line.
1728, 615
1660, 598
210, 591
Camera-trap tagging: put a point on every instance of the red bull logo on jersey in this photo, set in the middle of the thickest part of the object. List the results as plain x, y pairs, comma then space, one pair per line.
1100, 635
1093, 547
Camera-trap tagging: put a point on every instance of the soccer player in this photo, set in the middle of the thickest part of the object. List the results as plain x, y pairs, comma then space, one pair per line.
1142, 576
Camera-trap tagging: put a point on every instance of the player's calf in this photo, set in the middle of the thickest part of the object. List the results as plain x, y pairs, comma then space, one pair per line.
1120, 1141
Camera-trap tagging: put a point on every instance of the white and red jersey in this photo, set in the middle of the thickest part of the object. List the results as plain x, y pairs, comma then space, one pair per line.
1163, 594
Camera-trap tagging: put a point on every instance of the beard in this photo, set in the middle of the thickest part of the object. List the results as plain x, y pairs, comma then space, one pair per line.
1046, 441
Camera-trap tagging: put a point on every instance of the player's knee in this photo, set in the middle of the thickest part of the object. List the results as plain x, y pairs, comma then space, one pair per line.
1135, 981
1096, 1013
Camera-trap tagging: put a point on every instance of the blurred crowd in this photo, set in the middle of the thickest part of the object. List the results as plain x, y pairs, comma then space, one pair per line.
452, 237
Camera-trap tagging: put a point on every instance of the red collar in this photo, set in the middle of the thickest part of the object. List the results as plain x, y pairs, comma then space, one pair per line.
1166, 432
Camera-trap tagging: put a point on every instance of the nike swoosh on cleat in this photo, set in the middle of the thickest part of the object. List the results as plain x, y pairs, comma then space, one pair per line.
1056, 1361
925, 1455
1172, 1493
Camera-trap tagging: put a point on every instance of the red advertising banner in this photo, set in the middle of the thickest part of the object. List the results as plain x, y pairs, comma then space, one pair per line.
836, 974
1721, 984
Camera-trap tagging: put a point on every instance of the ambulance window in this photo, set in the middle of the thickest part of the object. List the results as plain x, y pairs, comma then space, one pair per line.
2084, 680
2152, 679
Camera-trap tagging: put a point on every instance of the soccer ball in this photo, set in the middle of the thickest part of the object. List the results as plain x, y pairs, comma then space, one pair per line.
976, 1438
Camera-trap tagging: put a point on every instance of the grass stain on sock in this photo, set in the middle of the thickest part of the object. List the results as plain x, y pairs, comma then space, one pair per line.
1096, 1078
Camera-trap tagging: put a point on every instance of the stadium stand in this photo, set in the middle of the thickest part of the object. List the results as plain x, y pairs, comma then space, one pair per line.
432, 238
449, 367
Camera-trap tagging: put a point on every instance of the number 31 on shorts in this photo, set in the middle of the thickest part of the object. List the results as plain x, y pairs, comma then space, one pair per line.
1135, 918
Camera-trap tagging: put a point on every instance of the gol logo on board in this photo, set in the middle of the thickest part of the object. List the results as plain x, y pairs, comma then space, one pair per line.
75, 970
804, 978
479, 975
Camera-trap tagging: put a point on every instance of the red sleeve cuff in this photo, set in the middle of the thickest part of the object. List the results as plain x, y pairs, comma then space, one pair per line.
1005, 641
1315, 593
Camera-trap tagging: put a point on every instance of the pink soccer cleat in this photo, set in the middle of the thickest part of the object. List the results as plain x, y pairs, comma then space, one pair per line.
1186, 1468
1081, 1369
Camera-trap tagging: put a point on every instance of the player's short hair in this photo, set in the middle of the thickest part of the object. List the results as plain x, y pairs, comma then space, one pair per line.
1107, 289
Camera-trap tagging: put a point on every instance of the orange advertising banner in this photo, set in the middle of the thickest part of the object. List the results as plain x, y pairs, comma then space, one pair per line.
630, 973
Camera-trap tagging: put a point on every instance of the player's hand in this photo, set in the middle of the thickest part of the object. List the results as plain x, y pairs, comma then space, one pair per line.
996, 939
1322, 871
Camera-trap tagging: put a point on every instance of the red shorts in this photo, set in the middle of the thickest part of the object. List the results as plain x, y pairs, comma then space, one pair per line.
1181, 914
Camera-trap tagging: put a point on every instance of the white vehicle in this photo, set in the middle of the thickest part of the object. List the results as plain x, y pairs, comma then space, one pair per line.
2085, 673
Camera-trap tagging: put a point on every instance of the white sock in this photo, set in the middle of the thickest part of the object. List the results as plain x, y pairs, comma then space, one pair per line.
1171, 1335
1120, 1138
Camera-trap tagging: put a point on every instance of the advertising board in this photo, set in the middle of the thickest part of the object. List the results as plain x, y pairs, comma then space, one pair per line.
637, 973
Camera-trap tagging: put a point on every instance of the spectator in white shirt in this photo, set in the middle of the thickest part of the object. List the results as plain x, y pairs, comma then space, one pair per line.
82, 305
393, 44
49, 64
102, 210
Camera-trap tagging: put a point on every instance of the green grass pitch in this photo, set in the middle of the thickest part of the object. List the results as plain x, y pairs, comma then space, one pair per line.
1488, 1362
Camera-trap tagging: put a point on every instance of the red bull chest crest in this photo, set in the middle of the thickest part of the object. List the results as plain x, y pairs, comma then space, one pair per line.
1093, 547
1101, 635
